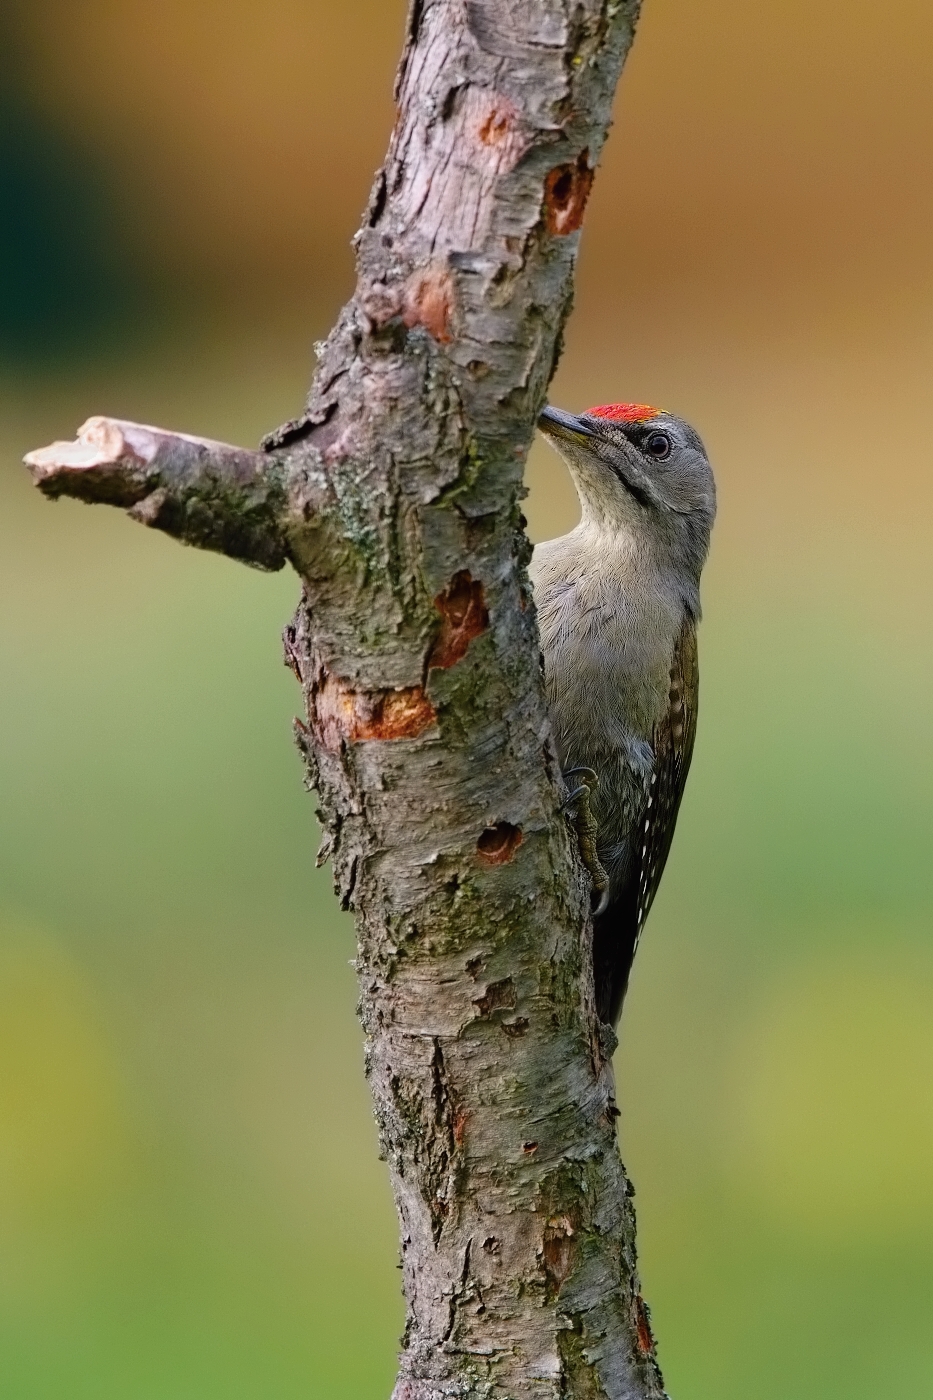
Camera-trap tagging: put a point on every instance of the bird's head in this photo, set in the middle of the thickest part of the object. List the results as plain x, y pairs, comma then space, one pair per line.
639, 471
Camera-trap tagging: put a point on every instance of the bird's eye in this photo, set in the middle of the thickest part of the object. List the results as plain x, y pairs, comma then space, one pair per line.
658, 446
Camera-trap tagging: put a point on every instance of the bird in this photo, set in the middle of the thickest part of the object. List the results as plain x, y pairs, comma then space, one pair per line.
618, 603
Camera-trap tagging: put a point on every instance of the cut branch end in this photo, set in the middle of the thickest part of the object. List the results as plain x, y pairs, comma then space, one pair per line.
202, 492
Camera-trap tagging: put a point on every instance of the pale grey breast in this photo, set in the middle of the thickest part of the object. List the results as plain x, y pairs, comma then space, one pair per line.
608, 648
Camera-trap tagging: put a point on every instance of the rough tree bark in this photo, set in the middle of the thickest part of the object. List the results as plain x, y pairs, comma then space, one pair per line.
395, 495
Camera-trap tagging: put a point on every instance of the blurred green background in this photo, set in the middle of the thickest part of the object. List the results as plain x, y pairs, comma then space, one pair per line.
190, 1201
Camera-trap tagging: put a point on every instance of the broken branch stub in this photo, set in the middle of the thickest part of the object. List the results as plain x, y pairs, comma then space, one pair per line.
395, 494
206, 493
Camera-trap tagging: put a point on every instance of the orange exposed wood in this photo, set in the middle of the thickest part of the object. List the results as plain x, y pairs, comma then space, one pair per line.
643, 1327
464, 615
343, 715
429, 302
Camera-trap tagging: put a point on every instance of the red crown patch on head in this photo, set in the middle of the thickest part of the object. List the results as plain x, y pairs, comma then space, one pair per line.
624, 412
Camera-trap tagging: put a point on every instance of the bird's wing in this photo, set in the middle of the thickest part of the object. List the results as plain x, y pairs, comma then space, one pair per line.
617, 929
673, 750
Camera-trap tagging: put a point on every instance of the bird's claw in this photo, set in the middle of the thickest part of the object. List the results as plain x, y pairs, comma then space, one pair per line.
577, 805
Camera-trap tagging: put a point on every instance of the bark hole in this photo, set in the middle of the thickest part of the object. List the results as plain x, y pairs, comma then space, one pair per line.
566, 191
498, 844
464, 615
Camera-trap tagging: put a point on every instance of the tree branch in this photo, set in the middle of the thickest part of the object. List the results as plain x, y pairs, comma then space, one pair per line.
396, 496
202, 492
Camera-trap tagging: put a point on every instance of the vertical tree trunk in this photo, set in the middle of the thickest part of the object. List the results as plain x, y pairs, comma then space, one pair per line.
395, 496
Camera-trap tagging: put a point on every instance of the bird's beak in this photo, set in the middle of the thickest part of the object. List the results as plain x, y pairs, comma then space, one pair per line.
554, 422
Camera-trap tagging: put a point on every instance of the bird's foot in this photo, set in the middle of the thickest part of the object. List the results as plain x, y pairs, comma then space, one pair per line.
577, 806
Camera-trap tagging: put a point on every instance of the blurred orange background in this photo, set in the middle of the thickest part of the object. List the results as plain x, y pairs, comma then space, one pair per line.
190, 1201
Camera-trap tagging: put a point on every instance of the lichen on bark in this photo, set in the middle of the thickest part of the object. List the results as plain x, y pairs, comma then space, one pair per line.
395, 495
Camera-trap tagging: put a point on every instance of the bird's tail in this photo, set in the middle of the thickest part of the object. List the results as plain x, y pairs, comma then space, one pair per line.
615, 936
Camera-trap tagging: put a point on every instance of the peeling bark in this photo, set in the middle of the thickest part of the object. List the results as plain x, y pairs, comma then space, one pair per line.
395, 495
